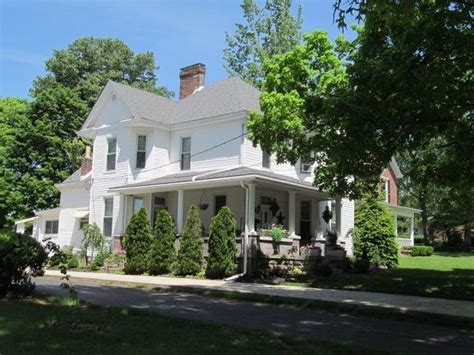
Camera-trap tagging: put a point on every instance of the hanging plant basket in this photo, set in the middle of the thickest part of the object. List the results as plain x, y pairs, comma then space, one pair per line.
204, 202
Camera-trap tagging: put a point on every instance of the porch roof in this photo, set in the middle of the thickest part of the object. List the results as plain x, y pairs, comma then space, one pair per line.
189, 180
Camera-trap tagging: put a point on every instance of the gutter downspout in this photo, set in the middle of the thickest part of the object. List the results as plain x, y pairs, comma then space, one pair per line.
246, 235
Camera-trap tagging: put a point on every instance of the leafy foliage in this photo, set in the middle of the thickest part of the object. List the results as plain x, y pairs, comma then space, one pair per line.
162, 252
351, 107
38, 142
21, 258
267, 31
137, 242
189, 261
20, 186
93, 240
374, 233
421, 250
277, 234
222, 250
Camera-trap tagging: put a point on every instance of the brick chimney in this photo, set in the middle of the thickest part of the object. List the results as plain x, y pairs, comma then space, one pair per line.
86, 163
190, 79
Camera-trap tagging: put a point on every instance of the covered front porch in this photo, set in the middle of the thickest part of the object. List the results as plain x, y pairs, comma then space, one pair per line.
258, 200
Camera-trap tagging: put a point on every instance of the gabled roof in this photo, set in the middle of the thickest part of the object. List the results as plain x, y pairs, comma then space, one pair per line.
144, 104
223, 97
395, 168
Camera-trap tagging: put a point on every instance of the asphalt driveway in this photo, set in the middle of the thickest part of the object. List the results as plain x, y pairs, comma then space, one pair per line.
376, 333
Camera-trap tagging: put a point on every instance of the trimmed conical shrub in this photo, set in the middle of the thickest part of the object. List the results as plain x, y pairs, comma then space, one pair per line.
137, 242
374, 233
162, 253
189, 261
222, 254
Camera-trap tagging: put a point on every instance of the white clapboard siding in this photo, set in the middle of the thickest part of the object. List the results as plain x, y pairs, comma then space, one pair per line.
72, 200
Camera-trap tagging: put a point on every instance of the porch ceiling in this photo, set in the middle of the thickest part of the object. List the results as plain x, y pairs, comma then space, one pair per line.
219, 178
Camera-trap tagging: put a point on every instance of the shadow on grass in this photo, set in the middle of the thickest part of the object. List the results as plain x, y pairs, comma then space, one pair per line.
42, 327
453, 284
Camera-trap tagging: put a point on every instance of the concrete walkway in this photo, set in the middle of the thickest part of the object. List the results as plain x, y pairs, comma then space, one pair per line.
371, 299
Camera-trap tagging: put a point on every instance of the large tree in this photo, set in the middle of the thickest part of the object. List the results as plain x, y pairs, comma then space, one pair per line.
21, 187
405, 80
45, 133
268, 30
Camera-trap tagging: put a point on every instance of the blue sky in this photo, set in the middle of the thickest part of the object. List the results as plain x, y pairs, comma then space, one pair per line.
179, 33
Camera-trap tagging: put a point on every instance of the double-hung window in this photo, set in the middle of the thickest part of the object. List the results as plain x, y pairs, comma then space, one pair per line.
51, 227
141, 152
108, 216
266, 160
185, 153
111, 153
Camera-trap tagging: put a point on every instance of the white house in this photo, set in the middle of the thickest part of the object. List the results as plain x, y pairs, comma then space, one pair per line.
150, 151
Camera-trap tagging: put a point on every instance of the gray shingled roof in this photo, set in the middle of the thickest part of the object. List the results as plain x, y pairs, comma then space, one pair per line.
210, 175
145, 104
223, 97
74, 177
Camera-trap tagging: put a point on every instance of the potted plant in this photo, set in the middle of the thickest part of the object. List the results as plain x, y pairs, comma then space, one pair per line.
277, 236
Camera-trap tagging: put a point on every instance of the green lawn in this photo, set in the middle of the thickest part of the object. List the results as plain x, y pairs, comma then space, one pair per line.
51, 326
444, 275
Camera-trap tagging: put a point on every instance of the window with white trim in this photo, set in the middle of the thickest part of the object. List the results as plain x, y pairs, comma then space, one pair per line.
51, 227
185, 153
305, 167
137, 204
108, 216
387, 190
111, 153
266, 158
141, 152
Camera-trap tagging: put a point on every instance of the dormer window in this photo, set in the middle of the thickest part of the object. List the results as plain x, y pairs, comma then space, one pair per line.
141, 152
305, 167
265, 160
111, 153
186, 153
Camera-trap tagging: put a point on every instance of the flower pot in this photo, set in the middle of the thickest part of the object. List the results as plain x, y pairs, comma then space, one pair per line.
203, 206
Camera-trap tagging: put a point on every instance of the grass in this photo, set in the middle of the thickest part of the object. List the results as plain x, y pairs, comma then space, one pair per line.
48, 325
442, 275
297, 303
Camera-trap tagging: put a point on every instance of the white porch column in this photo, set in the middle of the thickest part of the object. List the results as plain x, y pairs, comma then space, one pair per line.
412, 234
121, 224
339, 217
395, 217
291, 213
251, 206
180, 212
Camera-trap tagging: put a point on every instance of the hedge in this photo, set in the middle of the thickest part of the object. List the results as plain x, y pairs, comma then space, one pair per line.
421, 250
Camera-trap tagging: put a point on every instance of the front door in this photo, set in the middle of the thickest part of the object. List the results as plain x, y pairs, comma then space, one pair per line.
305, 222
158, 203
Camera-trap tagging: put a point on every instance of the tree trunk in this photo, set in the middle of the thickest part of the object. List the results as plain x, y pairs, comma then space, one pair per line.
467, 234
424, 218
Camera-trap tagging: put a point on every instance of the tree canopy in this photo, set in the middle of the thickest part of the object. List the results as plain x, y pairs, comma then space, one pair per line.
268, 30
405, 80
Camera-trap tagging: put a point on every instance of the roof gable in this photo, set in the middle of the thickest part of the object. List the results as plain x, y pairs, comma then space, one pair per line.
223, 97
